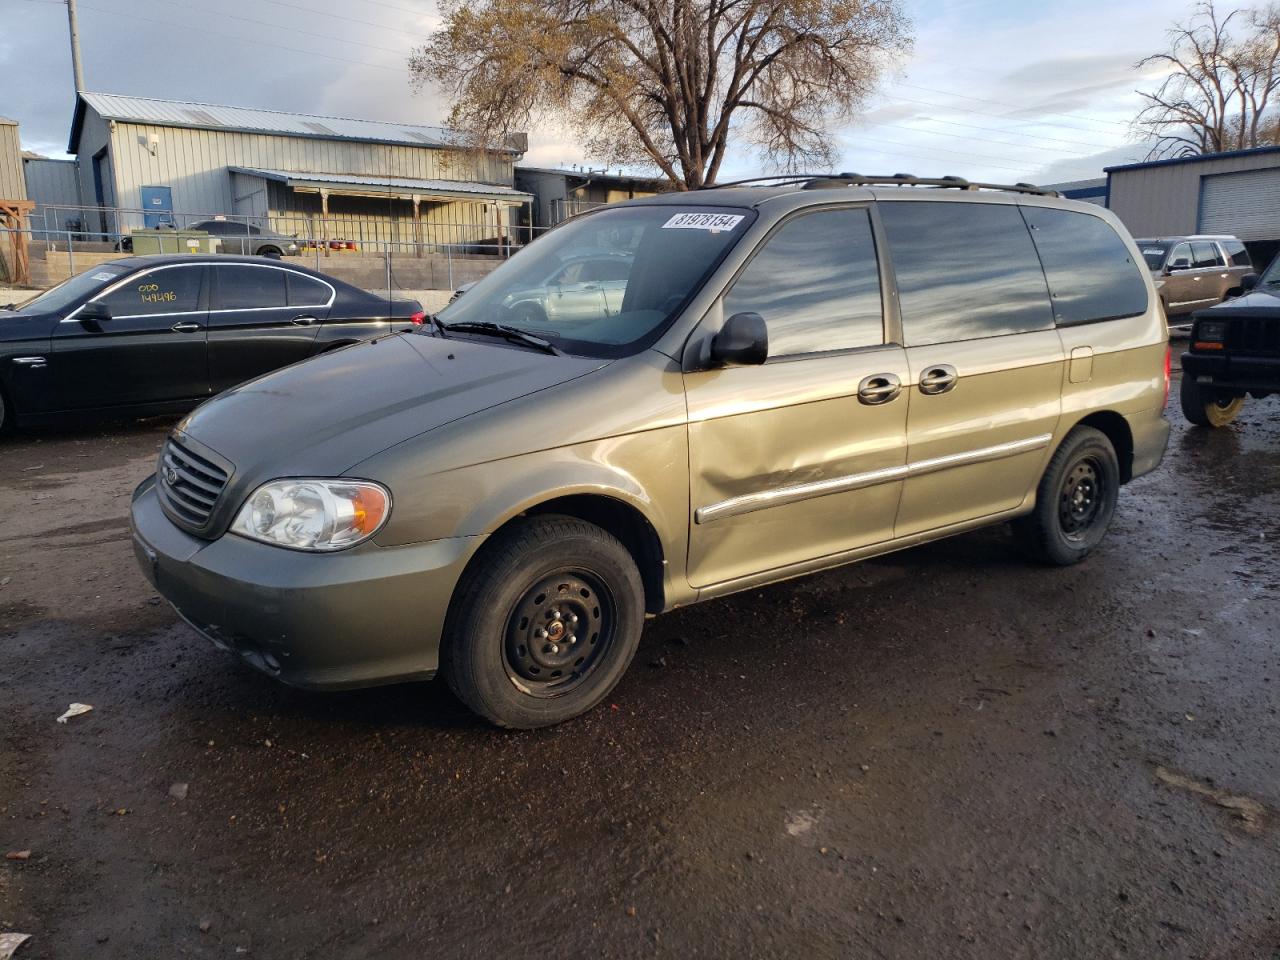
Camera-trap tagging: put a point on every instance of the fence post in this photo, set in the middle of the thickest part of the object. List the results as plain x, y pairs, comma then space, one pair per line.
71, 258
448, 249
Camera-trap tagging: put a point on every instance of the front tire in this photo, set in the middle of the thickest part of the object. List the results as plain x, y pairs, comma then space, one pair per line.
6, 416
1075, 500
544, 623
1207, 407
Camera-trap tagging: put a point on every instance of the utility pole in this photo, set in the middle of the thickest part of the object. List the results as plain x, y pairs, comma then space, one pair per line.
75, 45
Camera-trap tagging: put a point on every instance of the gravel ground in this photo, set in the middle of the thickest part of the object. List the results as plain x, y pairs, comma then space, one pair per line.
947, 752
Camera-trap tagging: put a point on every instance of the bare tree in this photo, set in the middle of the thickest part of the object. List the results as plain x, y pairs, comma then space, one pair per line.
1219, 90
667, 83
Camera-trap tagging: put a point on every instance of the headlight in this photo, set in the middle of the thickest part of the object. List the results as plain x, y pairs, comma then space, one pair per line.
314, 514
1215, 330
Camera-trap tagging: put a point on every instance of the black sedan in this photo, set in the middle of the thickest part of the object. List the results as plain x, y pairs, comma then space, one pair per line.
149, 335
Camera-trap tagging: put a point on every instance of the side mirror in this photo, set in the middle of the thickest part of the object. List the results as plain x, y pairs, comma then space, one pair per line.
1248, 282
94, 311
743, 340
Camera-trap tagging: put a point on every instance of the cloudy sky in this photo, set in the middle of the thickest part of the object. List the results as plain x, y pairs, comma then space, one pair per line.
995, 89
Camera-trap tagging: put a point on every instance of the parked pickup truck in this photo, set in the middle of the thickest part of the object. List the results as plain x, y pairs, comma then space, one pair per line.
1234, 353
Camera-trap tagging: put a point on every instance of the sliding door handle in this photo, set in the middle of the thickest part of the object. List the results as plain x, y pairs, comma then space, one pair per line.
186, 326
938, 379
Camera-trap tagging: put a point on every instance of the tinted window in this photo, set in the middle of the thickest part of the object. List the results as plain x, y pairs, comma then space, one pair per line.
965, 271
305, 291
175, 290
1090, 271
816, 283
1238, 254
1205, 255
243, 287
1180, 257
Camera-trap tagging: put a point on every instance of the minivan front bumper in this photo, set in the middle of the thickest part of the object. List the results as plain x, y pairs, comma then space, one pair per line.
356, 618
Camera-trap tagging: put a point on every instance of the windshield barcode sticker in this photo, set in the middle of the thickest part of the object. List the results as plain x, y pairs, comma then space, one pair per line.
714, 222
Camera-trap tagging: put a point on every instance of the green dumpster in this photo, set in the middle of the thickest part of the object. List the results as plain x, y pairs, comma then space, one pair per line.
171, 241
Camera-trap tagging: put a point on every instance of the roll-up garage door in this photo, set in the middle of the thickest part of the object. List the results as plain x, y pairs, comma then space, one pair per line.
1246, 204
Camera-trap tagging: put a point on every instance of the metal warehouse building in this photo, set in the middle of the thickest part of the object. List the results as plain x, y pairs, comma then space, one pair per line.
146, 162
1233, 193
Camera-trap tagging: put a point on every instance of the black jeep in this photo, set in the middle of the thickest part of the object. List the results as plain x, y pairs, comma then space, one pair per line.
1235, 352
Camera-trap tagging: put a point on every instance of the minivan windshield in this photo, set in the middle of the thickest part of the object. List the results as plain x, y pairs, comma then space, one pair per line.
70, 292
1153, 252
606, 283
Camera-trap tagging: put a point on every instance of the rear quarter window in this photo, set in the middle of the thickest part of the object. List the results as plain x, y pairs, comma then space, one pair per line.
1238, 254
965, 271
1091, 274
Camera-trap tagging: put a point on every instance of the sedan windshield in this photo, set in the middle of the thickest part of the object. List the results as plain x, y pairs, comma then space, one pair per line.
1153, 253
607, 283
69, 293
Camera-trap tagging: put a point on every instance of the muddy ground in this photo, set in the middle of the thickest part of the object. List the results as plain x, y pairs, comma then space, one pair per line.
945, 753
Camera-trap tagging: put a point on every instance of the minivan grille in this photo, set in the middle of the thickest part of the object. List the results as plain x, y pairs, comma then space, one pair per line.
1257, 335
189, 484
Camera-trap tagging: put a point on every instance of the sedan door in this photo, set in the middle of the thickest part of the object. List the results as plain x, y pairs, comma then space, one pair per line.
262, 317
150, 350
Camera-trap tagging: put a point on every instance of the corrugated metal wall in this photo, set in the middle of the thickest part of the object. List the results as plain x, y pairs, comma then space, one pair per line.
1165, 200
13, 186
1246, 204
52, 182
194, 162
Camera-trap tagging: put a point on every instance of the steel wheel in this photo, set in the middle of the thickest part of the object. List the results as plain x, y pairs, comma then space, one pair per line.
1081, 499
560, 629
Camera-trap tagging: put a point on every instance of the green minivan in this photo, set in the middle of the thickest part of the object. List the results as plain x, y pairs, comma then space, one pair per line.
790, 377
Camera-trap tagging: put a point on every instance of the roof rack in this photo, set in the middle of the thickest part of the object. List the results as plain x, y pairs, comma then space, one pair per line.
832, 180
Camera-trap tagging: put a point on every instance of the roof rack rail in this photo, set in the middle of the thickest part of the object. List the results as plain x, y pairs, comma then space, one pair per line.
908, 180
823, 181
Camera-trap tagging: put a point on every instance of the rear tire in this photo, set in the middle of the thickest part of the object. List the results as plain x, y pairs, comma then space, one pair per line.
1075, 500
6, 416
271, 252
1206, 407
544, 623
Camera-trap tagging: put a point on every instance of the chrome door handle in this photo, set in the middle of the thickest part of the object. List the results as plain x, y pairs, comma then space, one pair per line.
303, 321
35, 363
938, 379
186, 326
879, 388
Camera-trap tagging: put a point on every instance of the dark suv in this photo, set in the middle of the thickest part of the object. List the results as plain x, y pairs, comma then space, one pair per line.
1235, 352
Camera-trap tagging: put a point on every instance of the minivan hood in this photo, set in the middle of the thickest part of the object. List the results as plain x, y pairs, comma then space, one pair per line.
321, 416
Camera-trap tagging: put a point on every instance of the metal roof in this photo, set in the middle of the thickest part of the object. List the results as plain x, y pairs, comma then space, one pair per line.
210, 116
349, 183
7, 122
1198, 158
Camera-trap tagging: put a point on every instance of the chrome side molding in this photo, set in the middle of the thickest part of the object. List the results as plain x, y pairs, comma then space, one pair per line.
780, 496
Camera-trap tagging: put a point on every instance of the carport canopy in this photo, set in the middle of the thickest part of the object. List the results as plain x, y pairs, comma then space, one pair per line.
403, 188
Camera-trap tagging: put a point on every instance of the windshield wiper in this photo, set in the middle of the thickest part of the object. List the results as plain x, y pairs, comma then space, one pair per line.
490, 329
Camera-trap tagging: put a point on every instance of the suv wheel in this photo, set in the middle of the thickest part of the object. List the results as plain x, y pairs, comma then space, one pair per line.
1075, 500
544, 624
1207, 407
